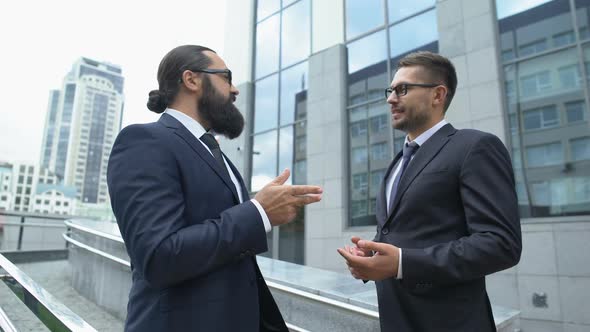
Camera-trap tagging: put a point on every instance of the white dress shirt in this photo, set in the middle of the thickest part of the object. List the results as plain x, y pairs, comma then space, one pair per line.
419, 140
197, 130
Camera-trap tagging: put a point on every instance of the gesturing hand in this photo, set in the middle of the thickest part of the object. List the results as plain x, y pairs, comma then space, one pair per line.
382, 265
280, 201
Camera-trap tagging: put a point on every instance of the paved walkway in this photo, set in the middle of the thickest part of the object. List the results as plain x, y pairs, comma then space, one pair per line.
55, 277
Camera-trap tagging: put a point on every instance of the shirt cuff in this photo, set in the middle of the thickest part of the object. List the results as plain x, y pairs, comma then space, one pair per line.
399, 267
265, 220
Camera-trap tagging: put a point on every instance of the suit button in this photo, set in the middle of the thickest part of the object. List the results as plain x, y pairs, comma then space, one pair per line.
385, 231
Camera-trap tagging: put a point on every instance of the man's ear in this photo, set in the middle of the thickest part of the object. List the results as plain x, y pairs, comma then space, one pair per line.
191, 81
440, 95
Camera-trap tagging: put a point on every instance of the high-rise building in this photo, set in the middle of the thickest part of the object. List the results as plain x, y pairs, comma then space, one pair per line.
82, 122
523, 70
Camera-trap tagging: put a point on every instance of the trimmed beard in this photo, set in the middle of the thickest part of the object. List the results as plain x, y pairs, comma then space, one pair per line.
219, 112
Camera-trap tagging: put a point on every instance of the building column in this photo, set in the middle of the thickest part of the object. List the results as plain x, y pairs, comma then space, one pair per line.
326, 155
468, 36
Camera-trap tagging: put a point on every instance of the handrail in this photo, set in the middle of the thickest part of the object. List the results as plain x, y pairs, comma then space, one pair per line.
35, 215
5, 323
94, 231
286, 289
55, 315
324, 300
96, 251
60, 225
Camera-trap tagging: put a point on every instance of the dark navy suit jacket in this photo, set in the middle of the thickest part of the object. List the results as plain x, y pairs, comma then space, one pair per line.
455, 216
192, 244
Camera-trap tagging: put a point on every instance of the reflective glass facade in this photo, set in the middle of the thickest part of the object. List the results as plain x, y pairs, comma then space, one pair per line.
375, 43
282, 47
545, 54
50, 124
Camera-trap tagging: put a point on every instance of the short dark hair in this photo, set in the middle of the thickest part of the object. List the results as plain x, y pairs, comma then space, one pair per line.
437, 67
170, 72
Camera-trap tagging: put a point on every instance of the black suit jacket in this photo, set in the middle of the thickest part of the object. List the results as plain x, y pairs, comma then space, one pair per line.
191, 242
455, 216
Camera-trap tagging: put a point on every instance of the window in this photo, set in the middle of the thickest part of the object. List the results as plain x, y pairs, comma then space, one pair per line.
358, 129
569, 76
379, 123
563, 38
544, 155
545, 117
359, 208
363, 16
359, 155
533, 47
379, 151
575, 111
360, 182
534, 84
508, 55
580, 148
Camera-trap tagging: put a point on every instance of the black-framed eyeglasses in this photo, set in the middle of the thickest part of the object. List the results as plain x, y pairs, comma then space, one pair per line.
227, 73
402, 89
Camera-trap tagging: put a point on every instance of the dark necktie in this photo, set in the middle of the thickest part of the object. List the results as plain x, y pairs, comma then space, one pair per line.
409, 150
212, 144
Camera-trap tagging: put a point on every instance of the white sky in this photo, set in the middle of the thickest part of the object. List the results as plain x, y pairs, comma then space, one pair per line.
40, 40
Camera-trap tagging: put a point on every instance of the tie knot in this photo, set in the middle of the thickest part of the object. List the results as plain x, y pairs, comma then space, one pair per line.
210, 141
410, 149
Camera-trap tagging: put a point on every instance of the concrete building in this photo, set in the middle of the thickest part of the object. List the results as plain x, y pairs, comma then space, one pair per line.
311, 76
5, 186
24, 183
82, 122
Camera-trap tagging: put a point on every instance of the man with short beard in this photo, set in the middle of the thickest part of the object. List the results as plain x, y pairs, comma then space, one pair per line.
447, 212
183, 209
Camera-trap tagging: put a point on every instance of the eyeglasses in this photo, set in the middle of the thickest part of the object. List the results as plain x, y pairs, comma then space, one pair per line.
227, 73
402, 89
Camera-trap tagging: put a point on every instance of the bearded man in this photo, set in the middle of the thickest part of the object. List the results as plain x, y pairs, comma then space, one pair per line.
183, 209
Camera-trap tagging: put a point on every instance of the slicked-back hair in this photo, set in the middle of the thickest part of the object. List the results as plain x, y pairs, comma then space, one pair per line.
438, 69
170, 71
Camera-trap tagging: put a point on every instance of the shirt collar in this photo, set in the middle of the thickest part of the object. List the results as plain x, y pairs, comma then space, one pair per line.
191, 124
427, 134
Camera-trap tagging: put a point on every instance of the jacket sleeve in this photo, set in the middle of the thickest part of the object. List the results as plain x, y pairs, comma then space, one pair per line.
490, 206
144, 183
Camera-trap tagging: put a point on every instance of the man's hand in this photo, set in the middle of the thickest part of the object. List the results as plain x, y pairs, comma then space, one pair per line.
280, 201
382, 265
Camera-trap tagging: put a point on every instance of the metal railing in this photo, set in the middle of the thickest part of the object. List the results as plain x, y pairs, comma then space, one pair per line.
26, 220
271, 284
51, 312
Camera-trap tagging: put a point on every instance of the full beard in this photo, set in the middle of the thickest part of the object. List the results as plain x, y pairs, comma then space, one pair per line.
220, 113
411, 121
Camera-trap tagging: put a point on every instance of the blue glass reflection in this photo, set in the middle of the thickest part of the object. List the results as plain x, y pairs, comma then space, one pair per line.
286, 150
293, 93
295, 35
401, 9
363, 16
264, 159
505, 8
367, 51
267, 46
413, 33
266, 7
266, 102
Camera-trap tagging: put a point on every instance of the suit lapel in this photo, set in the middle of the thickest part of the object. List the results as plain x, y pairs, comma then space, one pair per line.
423, 157
382, 202
201, 151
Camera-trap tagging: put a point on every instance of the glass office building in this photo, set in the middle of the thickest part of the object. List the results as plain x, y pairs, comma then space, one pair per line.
312, 74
